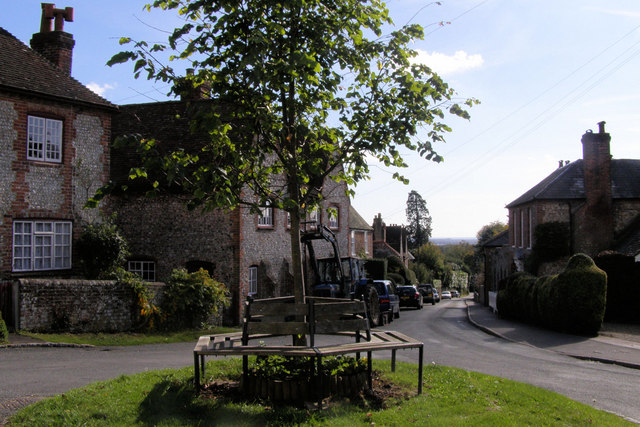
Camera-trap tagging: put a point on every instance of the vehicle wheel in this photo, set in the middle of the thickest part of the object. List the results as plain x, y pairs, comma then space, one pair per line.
433, 302
372, 302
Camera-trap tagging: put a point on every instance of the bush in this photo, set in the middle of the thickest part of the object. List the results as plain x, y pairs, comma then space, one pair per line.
147, 313
4, 332
551, 241
397, 279
191, 298
376, 268
101, 250
573, 301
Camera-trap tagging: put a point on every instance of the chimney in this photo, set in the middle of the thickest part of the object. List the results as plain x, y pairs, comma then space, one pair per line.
52, 42
379, 229
596, 155
190, 90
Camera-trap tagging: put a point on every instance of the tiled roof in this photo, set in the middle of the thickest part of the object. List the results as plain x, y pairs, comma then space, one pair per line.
356, 222
499, 240
24, 70
568, 183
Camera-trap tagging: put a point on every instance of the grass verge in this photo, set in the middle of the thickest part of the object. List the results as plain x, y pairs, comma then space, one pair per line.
127, 338
452, 397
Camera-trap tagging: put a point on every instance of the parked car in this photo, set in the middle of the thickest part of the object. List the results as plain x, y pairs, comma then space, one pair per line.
427, 291
410, 297
446, 295
436, 294
455, 294
389, 300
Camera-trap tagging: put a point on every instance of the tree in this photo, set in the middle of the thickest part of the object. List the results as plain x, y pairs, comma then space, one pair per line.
419, 220
489, 231
299, 95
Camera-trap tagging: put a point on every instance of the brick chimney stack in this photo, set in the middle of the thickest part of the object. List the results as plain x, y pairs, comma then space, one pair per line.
596, 155
52, 42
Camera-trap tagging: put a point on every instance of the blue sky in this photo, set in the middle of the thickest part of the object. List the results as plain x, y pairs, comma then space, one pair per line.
545, 71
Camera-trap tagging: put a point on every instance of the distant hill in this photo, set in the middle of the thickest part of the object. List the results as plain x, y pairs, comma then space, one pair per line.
440, 241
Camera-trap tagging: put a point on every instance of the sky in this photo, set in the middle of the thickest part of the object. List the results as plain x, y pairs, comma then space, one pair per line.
545, 72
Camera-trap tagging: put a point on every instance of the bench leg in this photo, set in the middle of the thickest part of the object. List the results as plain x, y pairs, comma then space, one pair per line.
202, 365
393, 360
420, 366
245, 369
196, 373
319, 382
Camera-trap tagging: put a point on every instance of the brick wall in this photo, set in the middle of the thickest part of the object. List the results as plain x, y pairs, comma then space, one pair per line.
75, 305
47, 190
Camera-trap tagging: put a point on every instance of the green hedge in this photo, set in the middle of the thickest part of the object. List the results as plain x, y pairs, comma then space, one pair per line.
572, 301
376, 268
4, 333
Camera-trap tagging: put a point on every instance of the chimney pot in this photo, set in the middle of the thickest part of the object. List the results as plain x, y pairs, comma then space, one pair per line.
601, 126
55, 45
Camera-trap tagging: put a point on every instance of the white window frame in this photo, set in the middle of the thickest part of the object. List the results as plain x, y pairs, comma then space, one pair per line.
44, 139
41, 245
145, 269
334, 218
314, 218
265, 219
366, 243
353, 243
253, 280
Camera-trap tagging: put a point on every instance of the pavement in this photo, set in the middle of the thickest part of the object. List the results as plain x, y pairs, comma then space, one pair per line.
610, 346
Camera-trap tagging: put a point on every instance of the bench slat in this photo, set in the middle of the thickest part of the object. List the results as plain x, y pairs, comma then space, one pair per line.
278, 309
333, 326
350, 307
277, 328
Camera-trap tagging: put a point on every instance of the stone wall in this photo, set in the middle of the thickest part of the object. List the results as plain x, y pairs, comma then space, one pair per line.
75, 305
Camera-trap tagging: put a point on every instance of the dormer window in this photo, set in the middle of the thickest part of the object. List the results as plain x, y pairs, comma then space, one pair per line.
44, 139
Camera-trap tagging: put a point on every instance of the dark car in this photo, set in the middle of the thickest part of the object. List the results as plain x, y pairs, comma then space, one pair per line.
436, 295
428, 294
410, 297
389, 301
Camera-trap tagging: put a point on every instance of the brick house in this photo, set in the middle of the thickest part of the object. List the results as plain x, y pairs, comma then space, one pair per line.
597, 197
390, 240
360, 235
54, 150
248, 252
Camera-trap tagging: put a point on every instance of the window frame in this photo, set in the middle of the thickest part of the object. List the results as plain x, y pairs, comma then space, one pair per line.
265, 217
253, 280
145, 273
333, 219
44, 245
49, 134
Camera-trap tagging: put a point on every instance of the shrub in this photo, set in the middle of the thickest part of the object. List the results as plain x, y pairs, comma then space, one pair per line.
397, 279
101, 250
283, 367
551, 241
191, 298
376, 268
573, 301
145, 310
4, 332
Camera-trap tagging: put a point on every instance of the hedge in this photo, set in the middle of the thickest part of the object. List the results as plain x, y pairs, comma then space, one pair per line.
573, 301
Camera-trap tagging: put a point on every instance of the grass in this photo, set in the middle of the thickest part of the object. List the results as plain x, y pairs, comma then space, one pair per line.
452, 397
127, 338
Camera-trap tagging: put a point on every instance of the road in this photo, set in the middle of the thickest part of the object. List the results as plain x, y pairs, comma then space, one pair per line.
451, 340
29, 373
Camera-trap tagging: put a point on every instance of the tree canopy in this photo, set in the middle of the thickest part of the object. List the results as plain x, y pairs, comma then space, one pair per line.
419, 220
300, 94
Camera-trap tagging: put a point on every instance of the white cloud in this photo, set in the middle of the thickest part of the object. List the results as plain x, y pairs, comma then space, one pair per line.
447, 64
618, 12
99, 89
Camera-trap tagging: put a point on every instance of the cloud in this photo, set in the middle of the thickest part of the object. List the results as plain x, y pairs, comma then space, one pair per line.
447, 64
99, 89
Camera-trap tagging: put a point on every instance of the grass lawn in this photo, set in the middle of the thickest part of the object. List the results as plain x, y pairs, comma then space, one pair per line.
451, 397
127, 338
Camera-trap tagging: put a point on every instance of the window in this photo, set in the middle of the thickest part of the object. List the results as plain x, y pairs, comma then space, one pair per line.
334, 222
314, 218
41, 245
366, 243
144, 269
253, 280
266, 216
353, 243
44, 139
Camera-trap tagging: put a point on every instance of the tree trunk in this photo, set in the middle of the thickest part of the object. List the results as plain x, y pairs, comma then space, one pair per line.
296, 258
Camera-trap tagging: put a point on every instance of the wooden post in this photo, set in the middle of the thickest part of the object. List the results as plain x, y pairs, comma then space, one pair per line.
393, 360
196, 374
420, 365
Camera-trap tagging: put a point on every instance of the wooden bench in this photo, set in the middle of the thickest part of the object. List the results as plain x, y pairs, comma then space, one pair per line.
272, 317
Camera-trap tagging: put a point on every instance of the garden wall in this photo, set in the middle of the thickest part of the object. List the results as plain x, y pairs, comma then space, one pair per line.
75, 305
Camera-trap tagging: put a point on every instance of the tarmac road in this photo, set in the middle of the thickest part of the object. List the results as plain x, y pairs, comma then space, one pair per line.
30, 373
